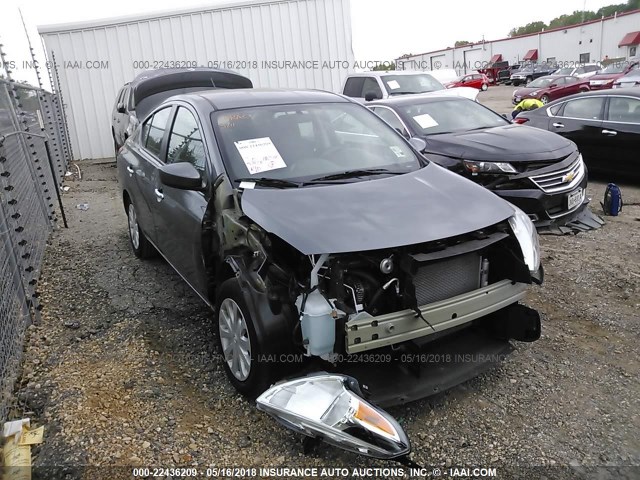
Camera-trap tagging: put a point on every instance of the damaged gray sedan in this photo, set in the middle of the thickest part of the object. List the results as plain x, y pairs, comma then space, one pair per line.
325, 242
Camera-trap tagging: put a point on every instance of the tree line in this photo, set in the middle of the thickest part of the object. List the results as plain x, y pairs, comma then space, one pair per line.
575, 18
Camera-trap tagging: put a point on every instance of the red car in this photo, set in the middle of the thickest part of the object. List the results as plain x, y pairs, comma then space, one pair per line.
473, 80
607, 77
551, 87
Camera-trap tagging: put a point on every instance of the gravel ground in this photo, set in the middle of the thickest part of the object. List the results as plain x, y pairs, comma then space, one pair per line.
123, 369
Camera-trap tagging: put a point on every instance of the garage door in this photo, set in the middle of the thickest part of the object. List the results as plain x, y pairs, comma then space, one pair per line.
473, 60
438, 62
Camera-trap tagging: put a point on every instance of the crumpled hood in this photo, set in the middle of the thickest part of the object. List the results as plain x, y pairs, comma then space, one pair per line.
429, 204
511, 143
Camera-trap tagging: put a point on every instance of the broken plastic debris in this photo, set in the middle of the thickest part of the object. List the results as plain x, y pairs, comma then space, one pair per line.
16, 452
82, 206
68, 174
66, 189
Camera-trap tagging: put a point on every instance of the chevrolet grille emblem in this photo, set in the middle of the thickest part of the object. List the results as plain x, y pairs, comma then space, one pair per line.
568, 177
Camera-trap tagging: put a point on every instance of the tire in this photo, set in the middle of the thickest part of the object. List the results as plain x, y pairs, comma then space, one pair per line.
484, 87
141, 247
239, 345
544, 99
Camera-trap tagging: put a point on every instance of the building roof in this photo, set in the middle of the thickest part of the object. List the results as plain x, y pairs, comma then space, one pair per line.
577, 25
631, 38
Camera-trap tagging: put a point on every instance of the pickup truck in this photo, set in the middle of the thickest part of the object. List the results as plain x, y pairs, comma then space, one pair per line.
380, 85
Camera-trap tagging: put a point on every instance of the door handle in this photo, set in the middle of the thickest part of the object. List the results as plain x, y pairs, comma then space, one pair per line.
611, 133
159, 194
130, 169
558, 125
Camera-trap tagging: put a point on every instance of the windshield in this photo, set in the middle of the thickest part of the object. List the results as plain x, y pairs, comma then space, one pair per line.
404, 84
565, 71
615, 68
303, 142
540, 83
454, 115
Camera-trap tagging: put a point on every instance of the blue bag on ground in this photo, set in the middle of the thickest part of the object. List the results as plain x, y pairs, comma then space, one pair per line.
612, 204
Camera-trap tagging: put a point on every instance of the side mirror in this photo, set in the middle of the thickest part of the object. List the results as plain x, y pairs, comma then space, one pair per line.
418, 143
331, 408
120, 108
183, 176
369, 96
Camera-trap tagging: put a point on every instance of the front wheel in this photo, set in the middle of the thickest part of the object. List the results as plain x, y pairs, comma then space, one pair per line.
239, 344
544, 99
141, 247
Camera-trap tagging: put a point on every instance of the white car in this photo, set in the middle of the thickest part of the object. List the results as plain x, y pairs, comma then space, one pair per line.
581, 71
379, 85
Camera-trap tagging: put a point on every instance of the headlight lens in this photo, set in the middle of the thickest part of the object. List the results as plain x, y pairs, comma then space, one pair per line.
489, 167
527, 237
534, 93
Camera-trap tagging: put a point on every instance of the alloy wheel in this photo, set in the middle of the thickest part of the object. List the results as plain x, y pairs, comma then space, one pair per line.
134, 230
234, 339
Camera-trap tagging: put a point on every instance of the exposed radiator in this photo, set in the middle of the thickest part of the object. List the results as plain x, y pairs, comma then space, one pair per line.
447, 278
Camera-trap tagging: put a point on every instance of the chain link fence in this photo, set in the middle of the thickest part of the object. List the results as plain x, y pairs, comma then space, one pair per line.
34, 152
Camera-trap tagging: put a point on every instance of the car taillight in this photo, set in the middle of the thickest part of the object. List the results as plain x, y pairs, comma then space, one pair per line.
520, 120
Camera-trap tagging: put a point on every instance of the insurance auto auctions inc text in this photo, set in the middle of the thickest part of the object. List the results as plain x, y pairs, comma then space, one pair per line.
377, 472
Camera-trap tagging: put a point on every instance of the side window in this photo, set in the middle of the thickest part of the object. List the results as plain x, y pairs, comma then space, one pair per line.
185, 141
371, 85
580, 71
155, 132
586, 108
391, 118
559, 81
555, 109
571, 79
353, 87
120, 96
623, 109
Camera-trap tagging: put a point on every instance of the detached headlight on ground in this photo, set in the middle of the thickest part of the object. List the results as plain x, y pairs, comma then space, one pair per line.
325, 406
489, 167
527, 236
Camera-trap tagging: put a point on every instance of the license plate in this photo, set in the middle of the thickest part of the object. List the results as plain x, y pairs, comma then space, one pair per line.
574, 199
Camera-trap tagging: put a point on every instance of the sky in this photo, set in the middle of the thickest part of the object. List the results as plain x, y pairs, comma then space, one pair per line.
382, 29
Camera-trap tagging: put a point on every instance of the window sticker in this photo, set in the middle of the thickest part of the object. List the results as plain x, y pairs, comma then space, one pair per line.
247, 185
425, 120
393, 84
260, 155
398, 151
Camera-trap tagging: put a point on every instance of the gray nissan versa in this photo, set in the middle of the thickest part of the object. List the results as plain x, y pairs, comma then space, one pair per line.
318, 233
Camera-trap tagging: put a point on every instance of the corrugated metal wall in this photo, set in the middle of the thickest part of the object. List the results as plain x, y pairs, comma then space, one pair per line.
245, 32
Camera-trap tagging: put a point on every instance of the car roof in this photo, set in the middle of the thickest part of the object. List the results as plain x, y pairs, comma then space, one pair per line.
256, 97
415, 99
622, 92
151, 82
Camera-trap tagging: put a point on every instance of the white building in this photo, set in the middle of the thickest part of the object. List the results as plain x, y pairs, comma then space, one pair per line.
612, 37
276, 43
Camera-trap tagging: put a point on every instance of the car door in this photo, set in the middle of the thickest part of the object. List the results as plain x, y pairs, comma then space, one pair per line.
148, 154
620, 135
580, 120
179, 213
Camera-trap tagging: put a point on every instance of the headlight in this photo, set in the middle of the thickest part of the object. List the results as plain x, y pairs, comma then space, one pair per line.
527, 237
326, 406
534, 93
489, 167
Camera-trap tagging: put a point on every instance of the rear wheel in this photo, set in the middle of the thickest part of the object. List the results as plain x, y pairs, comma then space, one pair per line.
240, 346
139, 243
484, 87
544, 99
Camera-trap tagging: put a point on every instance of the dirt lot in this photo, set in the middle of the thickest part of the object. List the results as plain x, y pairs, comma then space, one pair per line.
123, 369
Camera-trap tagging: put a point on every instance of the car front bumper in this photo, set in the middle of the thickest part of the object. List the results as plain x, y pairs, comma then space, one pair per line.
375, 332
